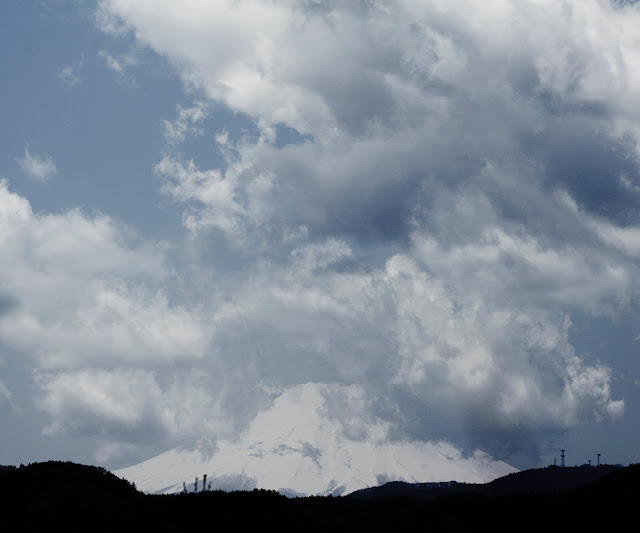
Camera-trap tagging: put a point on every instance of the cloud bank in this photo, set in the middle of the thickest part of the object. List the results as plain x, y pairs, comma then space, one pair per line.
427, 193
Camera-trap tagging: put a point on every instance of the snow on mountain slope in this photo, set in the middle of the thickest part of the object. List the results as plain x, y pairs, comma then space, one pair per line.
298, 448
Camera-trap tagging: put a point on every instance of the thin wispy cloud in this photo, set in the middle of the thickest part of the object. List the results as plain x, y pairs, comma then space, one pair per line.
120, 64
6, 396
38, 168
70, 74
186, 123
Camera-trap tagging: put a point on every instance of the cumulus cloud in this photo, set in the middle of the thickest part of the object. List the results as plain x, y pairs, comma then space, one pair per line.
92, 309
117, 359
391, 97
458, 180
397, 331
110, 403
36, 167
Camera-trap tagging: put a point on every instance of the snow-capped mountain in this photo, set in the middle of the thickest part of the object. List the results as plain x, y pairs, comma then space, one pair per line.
299, 447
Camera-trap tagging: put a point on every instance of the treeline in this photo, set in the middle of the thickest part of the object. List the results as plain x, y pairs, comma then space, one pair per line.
71, 497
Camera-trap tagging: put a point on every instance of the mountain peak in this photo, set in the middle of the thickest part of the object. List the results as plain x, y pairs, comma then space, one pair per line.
314, 439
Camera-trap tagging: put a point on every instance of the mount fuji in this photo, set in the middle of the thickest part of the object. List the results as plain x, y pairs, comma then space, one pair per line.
300, 448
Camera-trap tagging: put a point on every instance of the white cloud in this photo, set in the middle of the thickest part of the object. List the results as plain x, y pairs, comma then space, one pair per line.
36, 167
120, 64
69, 74
454, 195
115, 357
185, 123
125, 404
94, 315
87, 291
303, 64
396, 329
186, 182
390, 96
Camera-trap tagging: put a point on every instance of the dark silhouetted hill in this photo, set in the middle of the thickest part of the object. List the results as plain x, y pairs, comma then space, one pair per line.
68, 497
33, 496
548, 480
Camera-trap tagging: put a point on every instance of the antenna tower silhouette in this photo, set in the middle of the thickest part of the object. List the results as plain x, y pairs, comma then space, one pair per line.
598, 459
562, 458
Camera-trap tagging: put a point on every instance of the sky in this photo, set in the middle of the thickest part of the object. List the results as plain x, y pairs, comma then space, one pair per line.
205, 204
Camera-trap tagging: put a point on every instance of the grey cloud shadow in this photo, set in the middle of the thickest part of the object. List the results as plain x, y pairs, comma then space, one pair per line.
7, 304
